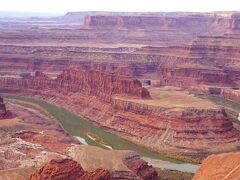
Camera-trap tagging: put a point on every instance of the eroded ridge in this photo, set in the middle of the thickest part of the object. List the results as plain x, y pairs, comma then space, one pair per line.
120, 104
68, 169
31, 138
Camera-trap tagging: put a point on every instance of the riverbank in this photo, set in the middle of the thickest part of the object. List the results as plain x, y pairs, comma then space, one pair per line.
76, 126
232, 108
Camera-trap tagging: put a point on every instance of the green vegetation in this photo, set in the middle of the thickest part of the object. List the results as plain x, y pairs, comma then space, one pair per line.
220, 101
98, 139
232, 108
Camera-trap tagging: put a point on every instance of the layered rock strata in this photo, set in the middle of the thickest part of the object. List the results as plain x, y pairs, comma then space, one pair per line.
100, 84
189, 132
68, 169
229, 93
207, 60
30, 139
191, 22
140, 167
211, 60
211, 82
95, 83
121, 164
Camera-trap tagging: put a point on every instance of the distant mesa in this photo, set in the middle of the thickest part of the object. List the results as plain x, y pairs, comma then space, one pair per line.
112, 53
194, 22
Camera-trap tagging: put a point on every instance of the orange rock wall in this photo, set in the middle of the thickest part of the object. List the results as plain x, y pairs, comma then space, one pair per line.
95, 83
158, 128
68, 169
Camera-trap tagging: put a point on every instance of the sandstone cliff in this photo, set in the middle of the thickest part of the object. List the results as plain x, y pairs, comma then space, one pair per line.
57, 169
31, 139
121, 164
207, 59
100, 84
140, 167
190, 22
112, 102
211, 82
229, 93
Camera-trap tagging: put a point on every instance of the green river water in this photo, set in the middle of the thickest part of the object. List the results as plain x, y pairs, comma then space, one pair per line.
79, 127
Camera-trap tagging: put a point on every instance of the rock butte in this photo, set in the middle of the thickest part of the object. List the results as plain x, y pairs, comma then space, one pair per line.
120, 104
112, 54
206, 63
191, 22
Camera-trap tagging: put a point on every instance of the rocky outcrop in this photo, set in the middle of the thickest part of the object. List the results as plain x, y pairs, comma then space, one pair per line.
166, 174
210, 82
112, 102
222, 166
232, 94
95, 83
57, 169
31, 139
191, 21
229, 93
140, 167
182, 129
101, 84
124, 165
208, 60
190, 76
3, 111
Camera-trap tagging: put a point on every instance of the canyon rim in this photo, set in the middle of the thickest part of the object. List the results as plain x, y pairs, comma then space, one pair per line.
81, 92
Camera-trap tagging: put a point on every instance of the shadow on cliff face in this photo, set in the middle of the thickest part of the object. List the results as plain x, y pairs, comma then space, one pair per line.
238, 148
